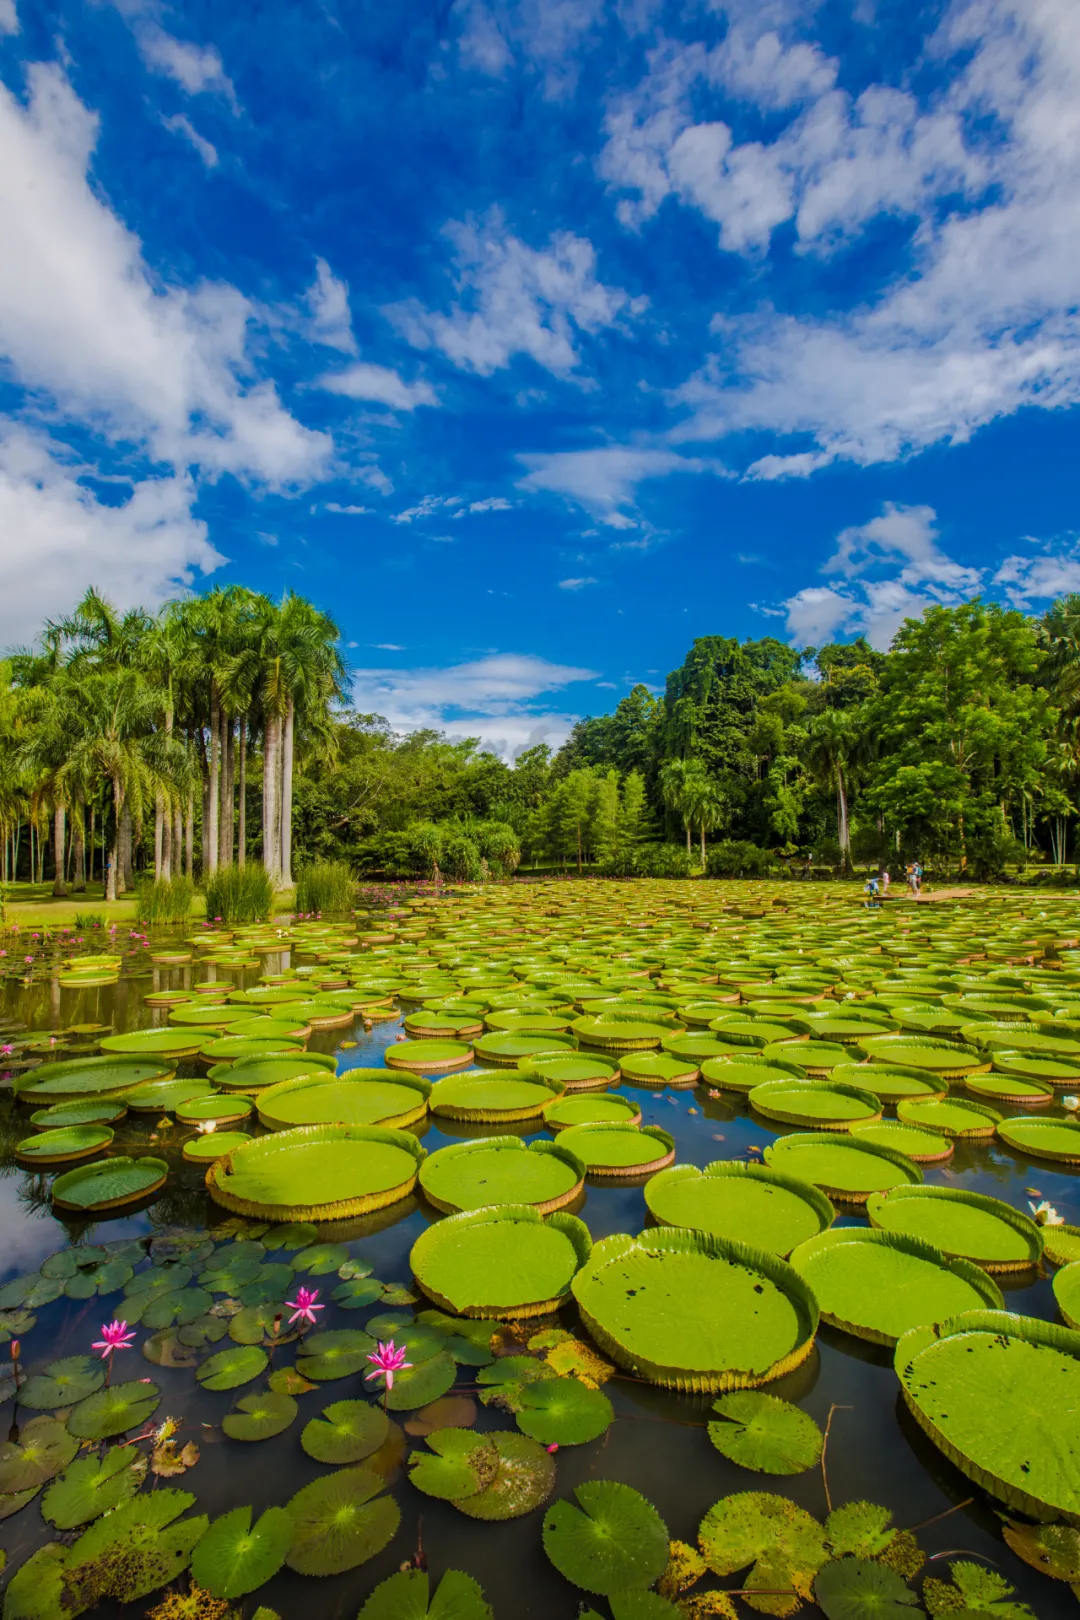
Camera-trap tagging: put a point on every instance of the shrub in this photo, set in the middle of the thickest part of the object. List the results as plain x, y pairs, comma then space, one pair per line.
325, 887
664, 861
239, 894
460, 860
168, 900
737, 857
498, 844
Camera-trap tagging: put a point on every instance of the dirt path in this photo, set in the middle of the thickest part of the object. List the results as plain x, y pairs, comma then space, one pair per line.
935, 894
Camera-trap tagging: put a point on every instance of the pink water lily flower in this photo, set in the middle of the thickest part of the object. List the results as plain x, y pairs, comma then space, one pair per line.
114, 1336
303, 1307
389, 1359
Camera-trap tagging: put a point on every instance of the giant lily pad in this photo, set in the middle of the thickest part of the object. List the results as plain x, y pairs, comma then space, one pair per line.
502, 1170
916, 1144
236, 1556
64, 1144
993, 1391
950, 1116
525, 1479
165, 1096
619, 1150
577, 1071
114, 1410
619, 1034
614, 1541
214, 1145
821, 1104
659, 1069
744, 1073
159, 1043
1067, 1294
83, 1111
339, 1521
81, 1078
350, 1099
214, 1109
877, 1284
764, 1433
845, 1168
746, 1203
432, 1057
259, 1072
503, 1262
963, 1225
590, 1108
890, 1081
695, 1312
317, 1172
489, 1099
110, 1184
1056, 1139
1009, 1088
949, 1059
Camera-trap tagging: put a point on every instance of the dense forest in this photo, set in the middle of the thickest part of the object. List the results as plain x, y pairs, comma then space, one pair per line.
218, 731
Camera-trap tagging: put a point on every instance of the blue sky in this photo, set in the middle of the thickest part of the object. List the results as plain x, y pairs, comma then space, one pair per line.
533, 338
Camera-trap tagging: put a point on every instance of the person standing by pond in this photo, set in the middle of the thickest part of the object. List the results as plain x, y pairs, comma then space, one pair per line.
885, 881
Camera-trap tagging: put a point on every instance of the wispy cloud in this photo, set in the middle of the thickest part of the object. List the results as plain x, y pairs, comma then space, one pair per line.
578, 584
182, 126
380, 385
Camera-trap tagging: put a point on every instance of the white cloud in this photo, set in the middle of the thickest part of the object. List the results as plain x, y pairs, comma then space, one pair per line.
493, 698
490, 503
84, 320
386, 646
546, 35
604, 480
514, 299
328, 303
907, 533
198, 69
577, 584
9, 21
429, 506
350, 511
179, 125
1024, 580
794, 466
56, 537
379, 384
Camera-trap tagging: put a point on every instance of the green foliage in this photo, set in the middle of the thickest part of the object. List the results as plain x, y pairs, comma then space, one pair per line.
325, 887
239, 894
168, 900
738, 858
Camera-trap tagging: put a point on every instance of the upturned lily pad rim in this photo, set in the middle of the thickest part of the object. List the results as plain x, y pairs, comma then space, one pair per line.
1066, 1286
214, 1145
721, 1072
872, 1077
153, 1173
1021, 1223
431, 1055
619, 1035
777, 1099
952, 1059
984, 1119
1030, 1136
408, 1112
239, 1076
461, 1152
659, 1069
899, 1161
603, 1071
45, 1084
171, 1042
64, 1144
443, 1092
812, 1196
217, 1176
453, 1228
578, 1138
628, 1110
1032, 1330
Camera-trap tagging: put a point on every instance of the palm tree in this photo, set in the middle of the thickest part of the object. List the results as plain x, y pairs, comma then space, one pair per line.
675, 793
831, 742
705, 802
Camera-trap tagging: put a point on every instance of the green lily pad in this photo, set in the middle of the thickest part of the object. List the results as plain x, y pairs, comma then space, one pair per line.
764, 1433
590, 1108
109, 1185
991, 1390
563, 1412
63, 1383
916, 1144
260, 1071
80, 1079
319, 1172
1054, 1139
577, 1071
853, 1588
950, 1116
963, 1225
42, 1449
215, 1109
260, 1417
88, 1111
619, 1034
525, 1479
347, 1432
160, 1043
695, 1312
1067, 1293
973, 1590
405, 1596
228, 1369
356, 1292
502, 1170
619, 1150
890, 1081
457, 1464
844, 1167
746, 1203
91, 1486
1011, 1089
320, 1099
1061, 1244
236, 1556
320, 1258
877, 1284
659, 1069
422, 1383
336, 1353
778, 1541
429, 1056
744, 1073
820, 1104
176, 1307
493, 1098
64, 1144
340, 1521
114, 1410
613, 1541
951, 1060
214, 1145
1052, 1549
141, 1545
507, 1261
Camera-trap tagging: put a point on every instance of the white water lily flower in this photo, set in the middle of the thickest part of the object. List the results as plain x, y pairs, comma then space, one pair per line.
1046, 1214
1071, 1103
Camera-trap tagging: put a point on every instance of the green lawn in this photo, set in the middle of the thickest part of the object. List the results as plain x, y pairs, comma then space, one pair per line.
32, 905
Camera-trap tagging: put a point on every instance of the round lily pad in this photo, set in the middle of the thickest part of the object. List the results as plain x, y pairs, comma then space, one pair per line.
317, 1172
508, 1261
1055, 1139
949, 1116
577, 1071
429, 1056
228, 1369
64, 1144
963, 1225
659, 1069
334, 1353
91, 1486
745, 1203
949, 1059
590, 1108
695, 1312
1061, 1072
502, 1170
259, 1072
822, 1104
817, 1058
457, 1464
109, 1185
347, 1432
215, 1109
764, 1433
1061, 1244
916, 1144
339, 1521
260, 1417
405, 1596
619, 1150
877, 1284
345, 1100
236, 1556
489, 1099
44, 1447
613, 1541
991, 1389
844, 1167
744, 1073
225, 1049
62, 1383
890, 1081
165, 1096
160, 1043
562, 1411
214, 1145
525, 1479
619, 1035
83, 1111
114, 1410
781, 1541
1067, 1293
1010, 1088
81, 1078
849, 1588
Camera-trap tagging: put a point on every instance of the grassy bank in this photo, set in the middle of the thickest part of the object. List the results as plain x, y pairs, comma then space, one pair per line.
32, 905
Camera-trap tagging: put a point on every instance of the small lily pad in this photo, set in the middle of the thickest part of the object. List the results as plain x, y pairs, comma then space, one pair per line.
779, 1542
336, 1353
765, 1433
457, 1464
42, 1449
347, 1432
92, 1486
260, 1417
236, 1556
562, 1411
852, 1588
405, 1596
612, 1541
230, 1368
63, 1383
339, 1521
525, 1479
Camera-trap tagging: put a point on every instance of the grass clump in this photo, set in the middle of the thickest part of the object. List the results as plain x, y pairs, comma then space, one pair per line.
168, 900
239, 894
89, 919
326, 886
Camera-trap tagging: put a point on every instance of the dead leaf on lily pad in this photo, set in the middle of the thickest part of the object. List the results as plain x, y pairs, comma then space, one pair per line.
685, 1567
1053, 1549
168, 1459
575, 1359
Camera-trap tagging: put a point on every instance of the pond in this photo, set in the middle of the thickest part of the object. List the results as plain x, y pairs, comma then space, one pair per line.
951, 1009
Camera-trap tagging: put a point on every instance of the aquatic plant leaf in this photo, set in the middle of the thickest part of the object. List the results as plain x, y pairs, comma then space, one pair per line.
294, 1234
405, 1596
340, 1521
684, 1568
573, 1358
320, 1258
109, 1183
1055, 1139
42, 1449
357, 1292
347, 1432
114, 1410
236, 1556
317, 1172
619, 1149
963, 1225
642, 1605
564, 1412
167, 1349
506, 1261
1053, 1549
614, 1539
336, 1353
140, 1546
779, 1540
860, 1530
36, 1589
287, 1381
14, 1324
457, 1464
422, 1383
765, 1433
858, 1588
176, 1307
62, 1383
1066, 1292
748, 1203
261, 1416
159, 1279
525, 1479
973, 1590
448, 1412
843, 1167
168, 1460
230, 1368
712, 1605
255, 1323
501, 1170
92, 1486
12, 1502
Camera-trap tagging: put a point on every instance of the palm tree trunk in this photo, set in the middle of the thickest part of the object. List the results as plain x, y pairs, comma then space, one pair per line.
189, 838
842, 825
686, 824
177, 839
126, 876
241, 833
271, 807
702, 825
159, 820
78, 850
228, 770
90, 873
286, 798
166, 839
113, 863
213, 796
59, 830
